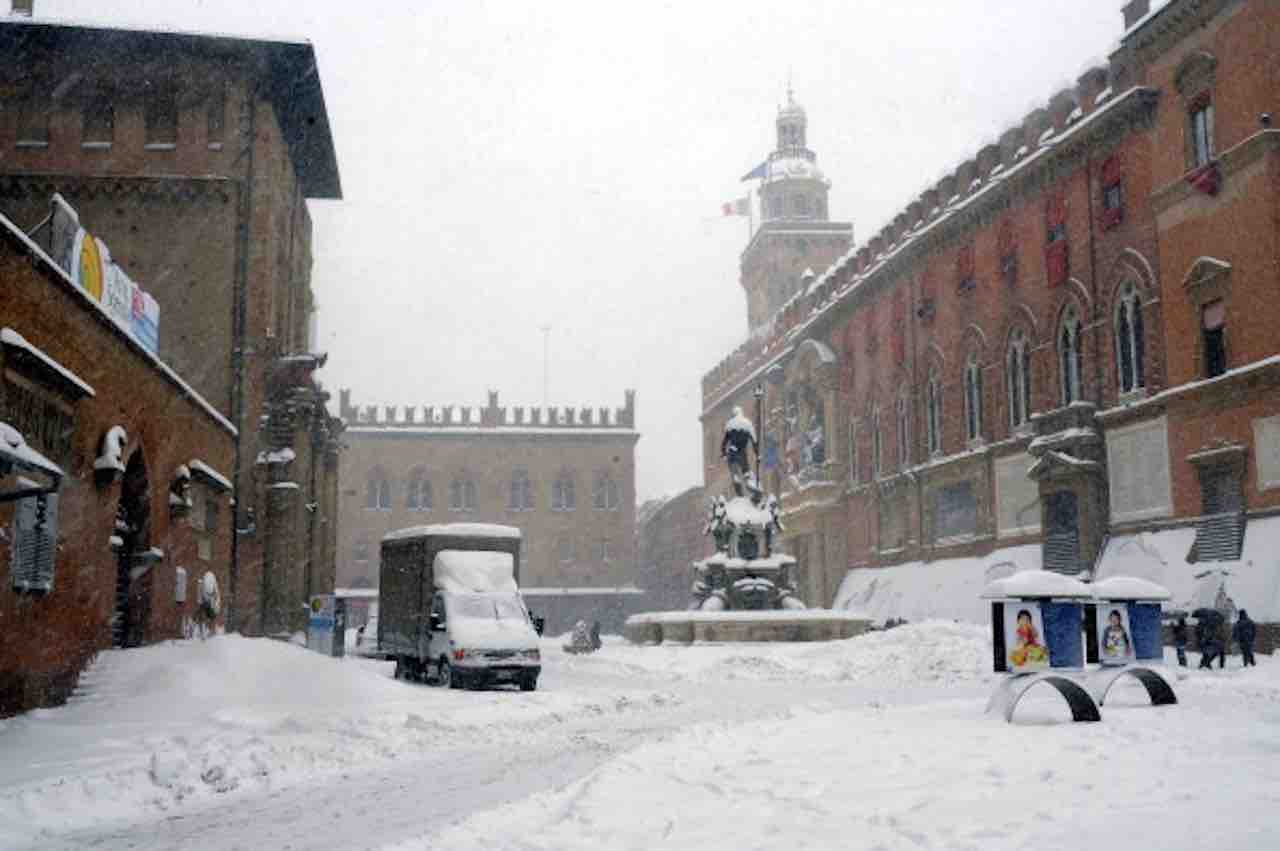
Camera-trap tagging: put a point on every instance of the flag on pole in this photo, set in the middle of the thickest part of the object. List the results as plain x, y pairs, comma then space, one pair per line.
737, 207
761, 170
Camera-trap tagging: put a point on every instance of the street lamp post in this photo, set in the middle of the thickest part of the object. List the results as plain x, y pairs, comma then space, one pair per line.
759, 394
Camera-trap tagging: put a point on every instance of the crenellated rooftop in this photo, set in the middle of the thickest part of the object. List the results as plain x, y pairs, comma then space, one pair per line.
488, 418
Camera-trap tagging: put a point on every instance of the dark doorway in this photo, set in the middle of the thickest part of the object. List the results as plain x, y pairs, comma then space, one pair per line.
133, 531
1062, 532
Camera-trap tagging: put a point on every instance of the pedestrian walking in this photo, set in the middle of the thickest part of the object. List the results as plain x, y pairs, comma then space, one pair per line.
1245, 632
1180, 639
1207, 625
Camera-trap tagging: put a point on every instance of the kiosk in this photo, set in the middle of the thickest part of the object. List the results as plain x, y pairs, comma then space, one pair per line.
1037, 621
1123, 629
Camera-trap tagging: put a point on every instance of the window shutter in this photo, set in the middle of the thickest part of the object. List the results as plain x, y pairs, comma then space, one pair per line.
35, 543
1056, 262
1221, 529
1112, 170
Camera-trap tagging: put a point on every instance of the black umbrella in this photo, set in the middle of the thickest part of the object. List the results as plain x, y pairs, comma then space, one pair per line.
1207, 615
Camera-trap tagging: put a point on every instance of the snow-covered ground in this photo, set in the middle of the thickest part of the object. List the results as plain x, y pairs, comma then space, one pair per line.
875, 742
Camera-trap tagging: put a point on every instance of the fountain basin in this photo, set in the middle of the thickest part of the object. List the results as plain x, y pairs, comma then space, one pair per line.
746, 626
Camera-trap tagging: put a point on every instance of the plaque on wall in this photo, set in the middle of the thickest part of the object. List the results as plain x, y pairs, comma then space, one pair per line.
1138, 468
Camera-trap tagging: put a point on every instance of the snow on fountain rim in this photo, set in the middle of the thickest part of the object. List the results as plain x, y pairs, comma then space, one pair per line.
745, 615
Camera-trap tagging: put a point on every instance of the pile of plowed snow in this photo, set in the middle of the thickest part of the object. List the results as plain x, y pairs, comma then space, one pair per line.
155, 726
927, 652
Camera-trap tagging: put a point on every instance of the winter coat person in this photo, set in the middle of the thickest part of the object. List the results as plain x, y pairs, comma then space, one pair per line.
1180, 640
1207, 623
1244, 633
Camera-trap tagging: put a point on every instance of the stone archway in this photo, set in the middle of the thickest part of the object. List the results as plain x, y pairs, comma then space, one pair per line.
132, 538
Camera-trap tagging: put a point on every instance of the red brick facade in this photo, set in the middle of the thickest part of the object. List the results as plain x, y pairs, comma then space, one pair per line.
47, 638
1089, 238
207, 210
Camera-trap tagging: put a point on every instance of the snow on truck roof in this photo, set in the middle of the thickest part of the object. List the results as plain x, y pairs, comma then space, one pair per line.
461, 530
474, 570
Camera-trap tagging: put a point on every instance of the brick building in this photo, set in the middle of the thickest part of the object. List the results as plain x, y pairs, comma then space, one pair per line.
564, 476
193, 157
129, 528
669, 539
1063, 351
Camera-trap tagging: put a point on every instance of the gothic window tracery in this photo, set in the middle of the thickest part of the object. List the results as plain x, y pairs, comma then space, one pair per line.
1018, 375
1071, 355
1130, 342
973, 397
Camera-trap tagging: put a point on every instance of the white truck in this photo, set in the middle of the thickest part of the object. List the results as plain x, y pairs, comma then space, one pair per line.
450, 610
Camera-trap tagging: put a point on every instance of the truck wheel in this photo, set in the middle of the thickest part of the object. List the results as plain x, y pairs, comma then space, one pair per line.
444, 675
528, 682
399, 672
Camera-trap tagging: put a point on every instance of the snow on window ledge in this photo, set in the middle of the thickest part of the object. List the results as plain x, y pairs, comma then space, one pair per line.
12, 339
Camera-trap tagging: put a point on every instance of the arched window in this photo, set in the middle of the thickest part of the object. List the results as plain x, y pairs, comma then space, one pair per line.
1071, 355
877, 441
562, 495
933, 412
904, 427
1018, 375
417, 494
1129, 339
973, 397
462, 493
604, 492
377, 495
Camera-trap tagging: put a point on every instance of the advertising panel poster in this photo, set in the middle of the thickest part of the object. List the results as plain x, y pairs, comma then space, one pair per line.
1024, 642
87, 266
1115, 644
118, 298
146, 320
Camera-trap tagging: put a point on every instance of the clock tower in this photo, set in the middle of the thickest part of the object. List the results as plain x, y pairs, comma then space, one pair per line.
796, 232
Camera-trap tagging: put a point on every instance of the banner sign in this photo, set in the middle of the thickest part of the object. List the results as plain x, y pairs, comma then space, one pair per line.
86, 259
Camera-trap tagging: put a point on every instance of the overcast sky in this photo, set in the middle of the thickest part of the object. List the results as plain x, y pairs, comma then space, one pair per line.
512, 165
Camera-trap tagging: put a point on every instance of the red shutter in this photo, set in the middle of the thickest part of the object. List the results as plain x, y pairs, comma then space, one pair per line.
1004, 240
1055, 259
899, 327
1112, 170
1055, 212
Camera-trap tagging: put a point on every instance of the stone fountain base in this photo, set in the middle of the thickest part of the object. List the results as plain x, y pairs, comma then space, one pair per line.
747, 626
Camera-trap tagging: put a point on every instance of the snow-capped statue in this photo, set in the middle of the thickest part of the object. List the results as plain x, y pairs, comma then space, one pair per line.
716, 526
739, 434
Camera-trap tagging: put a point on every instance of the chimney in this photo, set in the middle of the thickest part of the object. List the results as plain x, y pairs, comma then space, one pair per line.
24, 8
1134, 11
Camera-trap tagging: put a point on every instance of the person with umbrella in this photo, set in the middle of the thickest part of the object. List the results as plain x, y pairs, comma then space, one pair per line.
1208, 624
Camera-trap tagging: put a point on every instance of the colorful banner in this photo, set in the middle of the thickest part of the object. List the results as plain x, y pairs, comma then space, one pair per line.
86, 259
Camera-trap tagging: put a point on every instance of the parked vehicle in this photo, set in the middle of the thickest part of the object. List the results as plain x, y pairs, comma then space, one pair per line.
367, 639
450, 610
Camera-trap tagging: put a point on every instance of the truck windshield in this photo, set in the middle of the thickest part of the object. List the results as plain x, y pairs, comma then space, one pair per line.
486, 606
